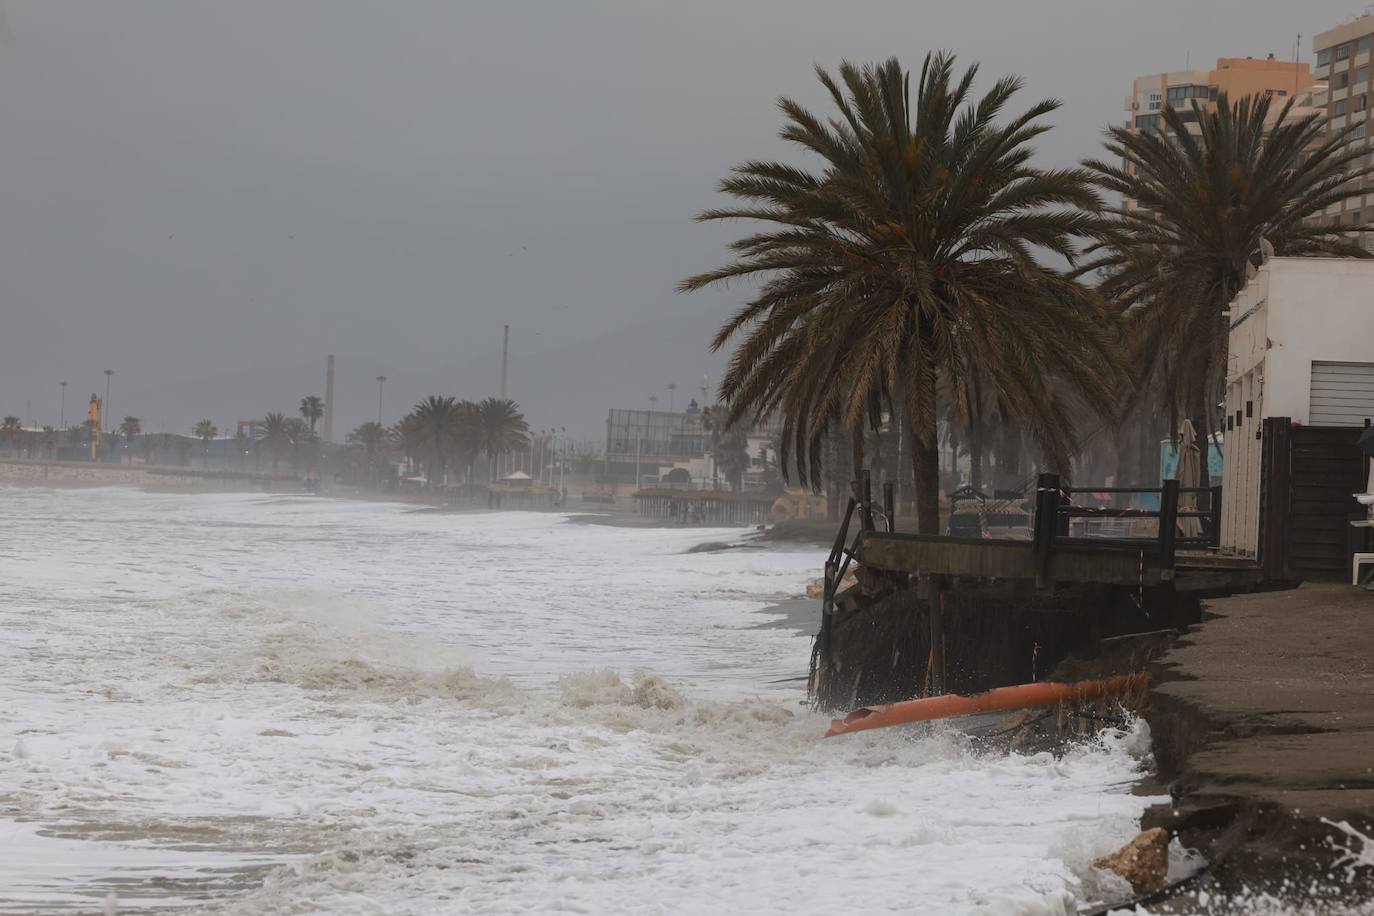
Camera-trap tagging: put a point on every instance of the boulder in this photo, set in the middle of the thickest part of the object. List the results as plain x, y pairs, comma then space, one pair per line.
816, 587
1144, 861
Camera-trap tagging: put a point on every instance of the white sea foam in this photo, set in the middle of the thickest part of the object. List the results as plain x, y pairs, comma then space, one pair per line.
260, 705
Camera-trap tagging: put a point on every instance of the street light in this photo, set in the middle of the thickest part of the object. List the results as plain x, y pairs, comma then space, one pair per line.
105, 412
381, 381
62, 411
672, 393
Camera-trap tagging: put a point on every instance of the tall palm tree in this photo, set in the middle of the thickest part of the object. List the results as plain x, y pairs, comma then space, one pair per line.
373, 437
729, 445
910, 257
130, 429
312, 408
274, 432
301, 437
501, 429
1253, 177
435, 430
10, 430
206, 432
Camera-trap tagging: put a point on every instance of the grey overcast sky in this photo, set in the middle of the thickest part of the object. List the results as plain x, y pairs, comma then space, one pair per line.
209, 197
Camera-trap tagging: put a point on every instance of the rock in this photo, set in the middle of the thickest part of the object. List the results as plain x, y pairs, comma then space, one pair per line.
816, 587
1144, 861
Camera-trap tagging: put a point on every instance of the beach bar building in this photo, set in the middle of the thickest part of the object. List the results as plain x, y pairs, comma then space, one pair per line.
1299, 391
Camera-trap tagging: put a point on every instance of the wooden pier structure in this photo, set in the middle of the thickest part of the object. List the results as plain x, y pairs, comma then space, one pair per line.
704, 507
1060, 574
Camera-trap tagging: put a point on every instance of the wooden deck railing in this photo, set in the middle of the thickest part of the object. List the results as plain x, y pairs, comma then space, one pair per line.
1055, 507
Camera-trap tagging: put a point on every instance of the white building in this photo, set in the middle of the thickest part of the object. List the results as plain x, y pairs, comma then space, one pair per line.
1302, 347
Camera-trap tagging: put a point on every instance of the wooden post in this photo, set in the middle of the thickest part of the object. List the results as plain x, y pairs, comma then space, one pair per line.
866, 516
933, 588
889, 506
1276, 498
1214, 534
1168, 527
1046, 525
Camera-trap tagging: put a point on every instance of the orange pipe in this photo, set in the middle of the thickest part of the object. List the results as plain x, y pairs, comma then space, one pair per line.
1044, 693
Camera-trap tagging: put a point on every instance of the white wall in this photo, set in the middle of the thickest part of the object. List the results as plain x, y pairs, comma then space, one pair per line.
1320, 309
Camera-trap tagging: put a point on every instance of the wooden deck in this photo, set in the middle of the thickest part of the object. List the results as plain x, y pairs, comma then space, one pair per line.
1070, 561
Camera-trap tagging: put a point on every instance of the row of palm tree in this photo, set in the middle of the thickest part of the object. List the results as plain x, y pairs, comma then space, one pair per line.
928, 266
441, 433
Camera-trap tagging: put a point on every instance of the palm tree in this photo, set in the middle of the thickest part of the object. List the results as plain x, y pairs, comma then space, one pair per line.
373, 437
501, 429
729, 445
312, 408
274, 432
10, 429
431, 432
298, 434
911, 257
206, 432
130, 429
1208, 204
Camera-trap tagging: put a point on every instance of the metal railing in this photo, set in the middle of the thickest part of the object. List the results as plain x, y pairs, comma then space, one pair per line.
1055, 508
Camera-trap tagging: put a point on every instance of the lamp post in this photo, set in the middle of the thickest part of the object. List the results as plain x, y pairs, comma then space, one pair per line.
672, 393
105, 412
381, 383
62, 410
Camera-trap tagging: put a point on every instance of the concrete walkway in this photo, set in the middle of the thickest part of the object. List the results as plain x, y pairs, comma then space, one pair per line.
1264, 715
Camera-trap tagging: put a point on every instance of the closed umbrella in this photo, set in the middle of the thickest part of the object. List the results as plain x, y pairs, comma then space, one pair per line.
1367, 447
1189, 475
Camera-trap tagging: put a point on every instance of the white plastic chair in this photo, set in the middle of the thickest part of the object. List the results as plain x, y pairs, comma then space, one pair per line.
1360, 560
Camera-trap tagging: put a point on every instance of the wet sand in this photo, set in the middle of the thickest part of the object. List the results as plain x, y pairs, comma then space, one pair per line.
1265, 716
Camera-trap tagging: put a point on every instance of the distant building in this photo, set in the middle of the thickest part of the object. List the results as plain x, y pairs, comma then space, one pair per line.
644, 445
1343, 61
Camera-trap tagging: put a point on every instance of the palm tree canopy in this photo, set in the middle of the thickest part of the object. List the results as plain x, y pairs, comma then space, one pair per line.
131, 427
371, 435
911, 257
1205, 205
274, 431
312, 408
205, 431
501, 426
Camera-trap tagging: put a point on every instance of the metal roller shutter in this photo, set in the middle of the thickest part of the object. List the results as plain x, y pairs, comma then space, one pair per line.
1342, 394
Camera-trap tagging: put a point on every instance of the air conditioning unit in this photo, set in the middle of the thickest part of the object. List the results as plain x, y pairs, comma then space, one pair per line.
1135, 105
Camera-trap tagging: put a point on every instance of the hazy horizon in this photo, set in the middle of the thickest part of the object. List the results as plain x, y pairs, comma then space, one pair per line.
209, 198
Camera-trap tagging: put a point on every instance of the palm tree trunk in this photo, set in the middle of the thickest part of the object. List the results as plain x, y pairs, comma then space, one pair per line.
975, 454
925, 475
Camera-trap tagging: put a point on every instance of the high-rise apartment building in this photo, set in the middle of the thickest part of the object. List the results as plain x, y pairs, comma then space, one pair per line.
1343, 61
1234, 77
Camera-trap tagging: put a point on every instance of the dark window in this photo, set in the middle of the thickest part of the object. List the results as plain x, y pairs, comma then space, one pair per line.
1355, 218
1146, 122
1323, 57
1343, 51
1362, 74
1358, 132
1339, 107
1182, 93
1340, 80
1362, 45
1361, 102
